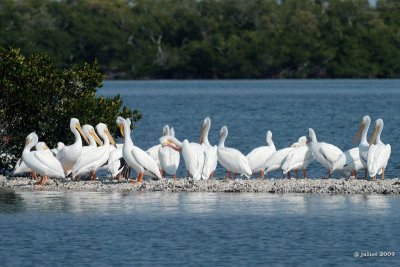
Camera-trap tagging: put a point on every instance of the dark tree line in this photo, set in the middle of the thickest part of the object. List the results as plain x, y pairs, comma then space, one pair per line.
210, 38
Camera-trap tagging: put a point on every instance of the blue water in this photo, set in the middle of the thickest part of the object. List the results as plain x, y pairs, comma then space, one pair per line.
193, 229
333, 108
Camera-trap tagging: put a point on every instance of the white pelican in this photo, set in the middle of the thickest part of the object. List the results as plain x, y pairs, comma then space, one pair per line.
258, 157
211, 154
379, 153
68, 155
363, 147
232, 159
192, 153
348, 161
135, 157
21, 167
41, 162
298, 159
93, 159
169, 157
277, 159
324, 153
153, 151
89, 133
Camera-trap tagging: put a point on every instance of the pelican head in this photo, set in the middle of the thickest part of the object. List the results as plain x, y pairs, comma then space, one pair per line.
302, 141
121, 124
31, 140
366, 120
89, 131
171, 142
223, 131
312, 137
103, 131
205, 127
165, 130
75, 125
377, 129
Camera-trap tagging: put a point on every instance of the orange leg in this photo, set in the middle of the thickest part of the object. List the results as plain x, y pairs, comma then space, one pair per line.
174, 177
304, 174
93, 175
140, 178
262, 174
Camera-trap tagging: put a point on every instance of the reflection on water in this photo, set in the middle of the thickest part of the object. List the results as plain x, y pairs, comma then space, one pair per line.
190, 203
180, 229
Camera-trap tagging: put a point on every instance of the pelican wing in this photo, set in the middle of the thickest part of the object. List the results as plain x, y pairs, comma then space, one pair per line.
347, 158
233, 160
382, 155
91, 156
210, 161
146, 161
193, 154
330, 152
258, 157
49, 161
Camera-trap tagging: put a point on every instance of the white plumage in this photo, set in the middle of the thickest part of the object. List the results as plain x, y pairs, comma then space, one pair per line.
259, 156
326, 154
41, 162
379, 153
230, 158
135, 157
210, 152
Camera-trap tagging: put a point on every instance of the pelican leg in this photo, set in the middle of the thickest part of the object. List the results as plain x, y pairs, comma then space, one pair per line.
262, 174
297, 174
174, 176
355, 174
305, 174
140, 178
93, 175
366, 174
162, 173
288, 175
383, 174
283, 176
212, 174
229, 174
329, 174
34, 176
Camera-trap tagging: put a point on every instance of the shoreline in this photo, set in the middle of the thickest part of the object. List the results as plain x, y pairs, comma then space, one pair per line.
318, 186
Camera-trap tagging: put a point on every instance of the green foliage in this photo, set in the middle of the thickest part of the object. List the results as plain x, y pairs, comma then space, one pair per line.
37, 95
211, 38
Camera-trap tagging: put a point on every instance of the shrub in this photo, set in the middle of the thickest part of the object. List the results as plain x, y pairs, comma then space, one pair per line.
37, 95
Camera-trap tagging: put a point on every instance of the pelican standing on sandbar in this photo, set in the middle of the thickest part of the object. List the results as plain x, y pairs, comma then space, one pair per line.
169, 157
135, 157
259, 156
211, 154
41, 162
379, 153
326, 154
230, 158
68, 155
92, 160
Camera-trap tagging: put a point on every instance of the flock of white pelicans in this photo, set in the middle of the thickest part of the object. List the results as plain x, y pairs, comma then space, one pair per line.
200, 158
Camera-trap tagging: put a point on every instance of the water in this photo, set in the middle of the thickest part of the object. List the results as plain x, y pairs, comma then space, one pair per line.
208, 229
333, 108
